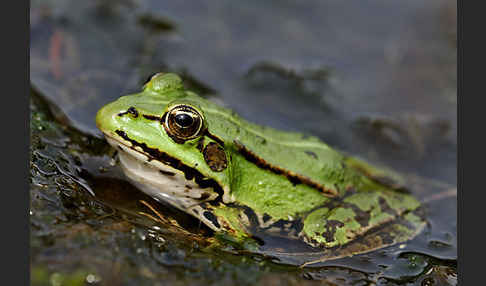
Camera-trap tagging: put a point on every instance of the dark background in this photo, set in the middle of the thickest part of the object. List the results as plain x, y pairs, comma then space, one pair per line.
376, 79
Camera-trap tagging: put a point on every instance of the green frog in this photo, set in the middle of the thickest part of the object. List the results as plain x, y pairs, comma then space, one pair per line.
240, 178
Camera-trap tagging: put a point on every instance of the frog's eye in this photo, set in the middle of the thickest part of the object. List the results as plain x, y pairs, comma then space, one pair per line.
183, 122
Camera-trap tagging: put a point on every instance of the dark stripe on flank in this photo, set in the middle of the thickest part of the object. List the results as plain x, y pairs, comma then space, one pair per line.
291, 176
189, 173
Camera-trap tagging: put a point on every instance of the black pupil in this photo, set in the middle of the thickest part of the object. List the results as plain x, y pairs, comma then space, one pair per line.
183, 120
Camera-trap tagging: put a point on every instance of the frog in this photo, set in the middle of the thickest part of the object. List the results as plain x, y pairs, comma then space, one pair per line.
239, 178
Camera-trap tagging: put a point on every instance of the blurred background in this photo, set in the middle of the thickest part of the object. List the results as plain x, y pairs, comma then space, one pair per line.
357, 76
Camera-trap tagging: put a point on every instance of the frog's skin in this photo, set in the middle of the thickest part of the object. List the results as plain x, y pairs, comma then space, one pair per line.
235, 176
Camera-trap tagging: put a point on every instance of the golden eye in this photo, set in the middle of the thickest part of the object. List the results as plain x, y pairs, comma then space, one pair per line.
183, 122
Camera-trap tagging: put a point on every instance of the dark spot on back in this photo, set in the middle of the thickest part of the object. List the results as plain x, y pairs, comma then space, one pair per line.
385, 207
286, 226
362, 217
331, 226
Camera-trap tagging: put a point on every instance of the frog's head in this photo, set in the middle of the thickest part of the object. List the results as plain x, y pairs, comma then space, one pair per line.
163, 131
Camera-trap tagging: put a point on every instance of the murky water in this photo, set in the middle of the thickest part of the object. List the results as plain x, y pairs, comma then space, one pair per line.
376, 80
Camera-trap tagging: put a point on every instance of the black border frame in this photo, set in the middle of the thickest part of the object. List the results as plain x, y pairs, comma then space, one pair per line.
470, 55
14, 214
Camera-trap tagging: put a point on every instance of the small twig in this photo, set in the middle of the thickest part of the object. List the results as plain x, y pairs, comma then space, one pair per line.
149, 216
161, 218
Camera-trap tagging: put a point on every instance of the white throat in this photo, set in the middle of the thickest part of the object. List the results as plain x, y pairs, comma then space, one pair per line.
159, 180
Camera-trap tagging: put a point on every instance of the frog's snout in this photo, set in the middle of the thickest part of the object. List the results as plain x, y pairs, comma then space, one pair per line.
106, 117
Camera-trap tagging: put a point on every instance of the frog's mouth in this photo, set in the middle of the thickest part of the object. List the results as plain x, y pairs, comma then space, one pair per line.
162, 176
